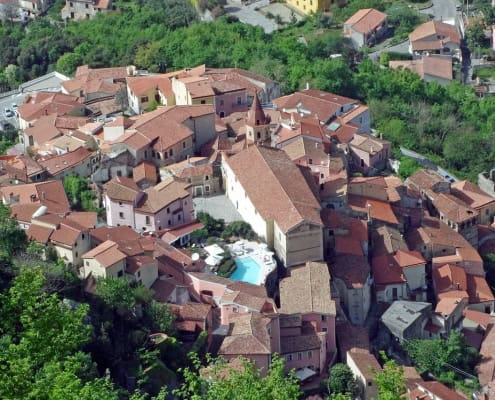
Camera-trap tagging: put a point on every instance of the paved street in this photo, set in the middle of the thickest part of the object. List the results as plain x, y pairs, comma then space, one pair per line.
6, 102
218, 207
421, 159
443, 10
248, 14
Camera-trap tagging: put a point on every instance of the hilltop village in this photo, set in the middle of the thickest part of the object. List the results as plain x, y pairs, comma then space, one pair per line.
325, 255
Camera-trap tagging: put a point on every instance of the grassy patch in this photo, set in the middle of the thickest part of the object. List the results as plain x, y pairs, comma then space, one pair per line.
484, 73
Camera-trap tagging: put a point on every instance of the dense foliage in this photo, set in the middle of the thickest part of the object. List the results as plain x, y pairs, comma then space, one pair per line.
80, 194
444, 358
243, 382
390, 382
341, 381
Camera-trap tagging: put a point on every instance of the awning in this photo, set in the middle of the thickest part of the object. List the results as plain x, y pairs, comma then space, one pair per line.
213, 260
214, 250
304, 373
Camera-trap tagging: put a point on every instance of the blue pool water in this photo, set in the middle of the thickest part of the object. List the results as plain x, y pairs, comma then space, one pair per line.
247, 270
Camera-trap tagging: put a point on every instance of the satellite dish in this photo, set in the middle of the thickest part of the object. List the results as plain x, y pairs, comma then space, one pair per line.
195, 256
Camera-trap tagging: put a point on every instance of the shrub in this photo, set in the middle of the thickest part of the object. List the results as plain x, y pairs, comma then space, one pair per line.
239, 229
226, 267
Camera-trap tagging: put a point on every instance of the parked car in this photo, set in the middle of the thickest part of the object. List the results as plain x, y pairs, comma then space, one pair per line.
14, 106
9, 113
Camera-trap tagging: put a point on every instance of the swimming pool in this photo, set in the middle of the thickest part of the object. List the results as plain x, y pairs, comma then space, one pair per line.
248, 270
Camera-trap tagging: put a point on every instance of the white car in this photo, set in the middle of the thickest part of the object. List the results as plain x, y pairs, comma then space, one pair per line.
9, 113
14, 106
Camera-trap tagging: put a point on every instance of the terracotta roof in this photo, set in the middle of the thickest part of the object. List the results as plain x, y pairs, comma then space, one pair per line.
433, 65
116, 234
43, 129
143, 84
256, 116
471, 194
306, 290
58, 164
163, 194
480, 318
163, 289
292, 344
466, 257
253, 303
86, 219
135, 263
435, 31
253, 290
424, 179
195, 166
486, 366
166, 124
434, 232
24, 212
275, 186
366, 20
379, 210
145, 171
171, 235
440, 391
120, 188
352, 269
449, 277
350, 337
453, 208
248, 335
194, 311
315, 102
387, 240
386, 271
67, 232
50, 194
38, 233
478, 289
353, 227
447, 305
45, 103
369, 143
473, 339
366, 363
303, 148
107, 254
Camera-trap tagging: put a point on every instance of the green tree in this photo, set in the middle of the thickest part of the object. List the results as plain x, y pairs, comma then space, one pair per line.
11, 73
244, 383
160, 317
116, 293
80, 195
390, 381
341, 380
408, 166
12, 238
68, 63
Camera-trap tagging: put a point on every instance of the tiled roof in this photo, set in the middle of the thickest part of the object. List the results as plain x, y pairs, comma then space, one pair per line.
486, 366
45, 103
386, 271
449, 277
142, 84
49, 193
38, 233
166, 124
67, 233
480, 318
292, 344
387, 240
471, 194
120, 188
352, 269
254, 303
43, 129
145, 171
316, 102
253, 290
163, 288
440, 391
366, 20
478, 289
307, 290
453, 208
86, 219
191, 311
441, 31
58, 164
434, 232
356, 228
256, 116
366, 363
116, 234
379, 210
275, 186
424, 179
195, 166
171, 235
160, 196
437, 66
107, 254
351, 336
248, 335
134, 263
447, 305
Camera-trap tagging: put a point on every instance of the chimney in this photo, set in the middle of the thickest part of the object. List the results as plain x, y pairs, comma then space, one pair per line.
43, 196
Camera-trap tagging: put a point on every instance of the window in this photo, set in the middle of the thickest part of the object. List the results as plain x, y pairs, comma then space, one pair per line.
120, 273
87, 263
139, 274
144, 99
288, 357
71, 4
207, 177
169, 222
82, 236
299, 356
221, 102
77, 254
235, 309
153, 154
119, 173
258, 135
183, 145
86, 5
178, 217
203, 101
171, 152
323, 317
148, 220
324, 329
168, 210
120, 203
370, 383
310, 161
239, 100
222, 114
310, 355
121, 215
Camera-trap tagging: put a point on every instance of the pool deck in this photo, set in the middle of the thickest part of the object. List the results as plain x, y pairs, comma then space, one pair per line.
258, 252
